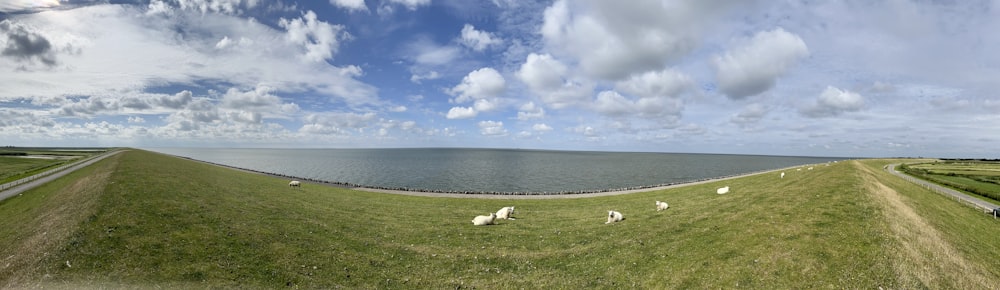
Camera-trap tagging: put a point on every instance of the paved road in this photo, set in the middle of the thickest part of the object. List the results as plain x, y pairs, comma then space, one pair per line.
932, 186
37, 182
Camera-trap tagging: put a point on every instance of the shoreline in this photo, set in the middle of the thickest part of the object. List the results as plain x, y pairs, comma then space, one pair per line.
494, 195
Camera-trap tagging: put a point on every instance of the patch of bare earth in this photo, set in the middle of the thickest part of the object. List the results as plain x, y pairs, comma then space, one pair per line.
26, 261
924, 258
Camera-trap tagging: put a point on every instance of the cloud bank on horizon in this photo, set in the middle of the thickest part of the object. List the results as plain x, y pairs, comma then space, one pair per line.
836, 78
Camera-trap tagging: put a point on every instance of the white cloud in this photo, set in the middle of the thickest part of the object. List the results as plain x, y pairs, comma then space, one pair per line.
478, 40
833, 102
492, 128
412, 4
530, 111
229, 7
320, 39
613, 104
397, 109
136, 119
350, 5
545, 76
461, 113
613, 39
437, 55
755, 66
655, 84
104, 49
19, 6
418, 78
479, 84
541, 127
337, 123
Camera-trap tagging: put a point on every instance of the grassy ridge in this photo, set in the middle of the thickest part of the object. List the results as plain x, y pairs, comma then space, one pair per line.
164, 221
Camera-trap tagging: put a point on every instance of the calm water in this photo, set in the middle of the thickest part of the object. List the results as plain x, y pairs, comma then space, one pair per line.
500, 170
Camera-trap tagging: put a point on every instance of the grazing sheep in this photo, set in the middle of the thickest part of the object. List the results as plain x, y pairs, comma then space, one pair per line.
484, 220
504, 213
810, 168
614, 216
782, 174
294, 183
722, 190
661, 205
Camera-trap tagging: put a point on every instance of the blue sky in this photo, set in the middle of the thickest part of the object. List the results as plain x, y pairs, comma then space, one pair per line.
834, 78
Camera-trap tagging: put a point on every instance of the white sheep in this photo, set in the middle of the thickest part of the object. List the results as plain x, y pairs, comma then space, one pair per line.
810, 168
782, 174
661, 205
722, 190
484, 220
504, 213
614, 216
294, 183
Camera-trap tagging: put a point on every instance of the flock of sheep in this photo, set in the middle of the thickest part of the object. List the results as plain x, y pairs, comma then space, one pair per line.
613, 216
507, 212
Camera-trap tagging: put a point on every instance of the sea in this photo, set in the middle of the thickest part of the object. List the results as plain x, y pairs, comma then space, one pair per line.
493, 170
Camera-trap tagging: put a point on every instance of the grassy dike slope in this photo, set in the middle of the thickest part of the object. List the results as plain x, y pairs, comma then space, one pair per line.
141, 219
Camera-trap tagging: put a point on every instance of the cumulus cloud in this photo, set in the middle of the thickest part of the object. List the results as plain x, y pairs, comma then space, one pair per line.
492, 128
461, 113
613, 104
12, 118
480, 84
530, 111
541, 127
612, 39
320, 39
206, 6
655, 84
338, 123
24, 44
833, 102
546, 78
350, 5
755, 66
478, 40
482, 87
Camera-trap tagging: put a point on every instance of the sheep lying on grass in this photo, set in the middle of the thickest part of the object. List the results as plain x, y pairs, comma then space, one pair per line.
722, 190
484, 220
614, 216
661, 205
294, 183
505, 213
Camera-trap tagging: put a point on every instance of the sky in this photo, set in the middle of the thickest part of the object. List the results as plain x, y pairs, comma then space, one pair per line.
818, 78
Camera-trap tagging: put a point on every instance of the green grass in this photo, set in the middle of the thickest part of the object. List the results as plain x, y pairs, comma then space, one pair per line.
974, 177
159, 221
14, 168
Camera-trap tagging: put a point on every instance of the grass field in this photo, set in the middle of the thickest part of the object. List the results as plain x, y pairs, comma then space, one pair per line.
975, 177
140, 219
